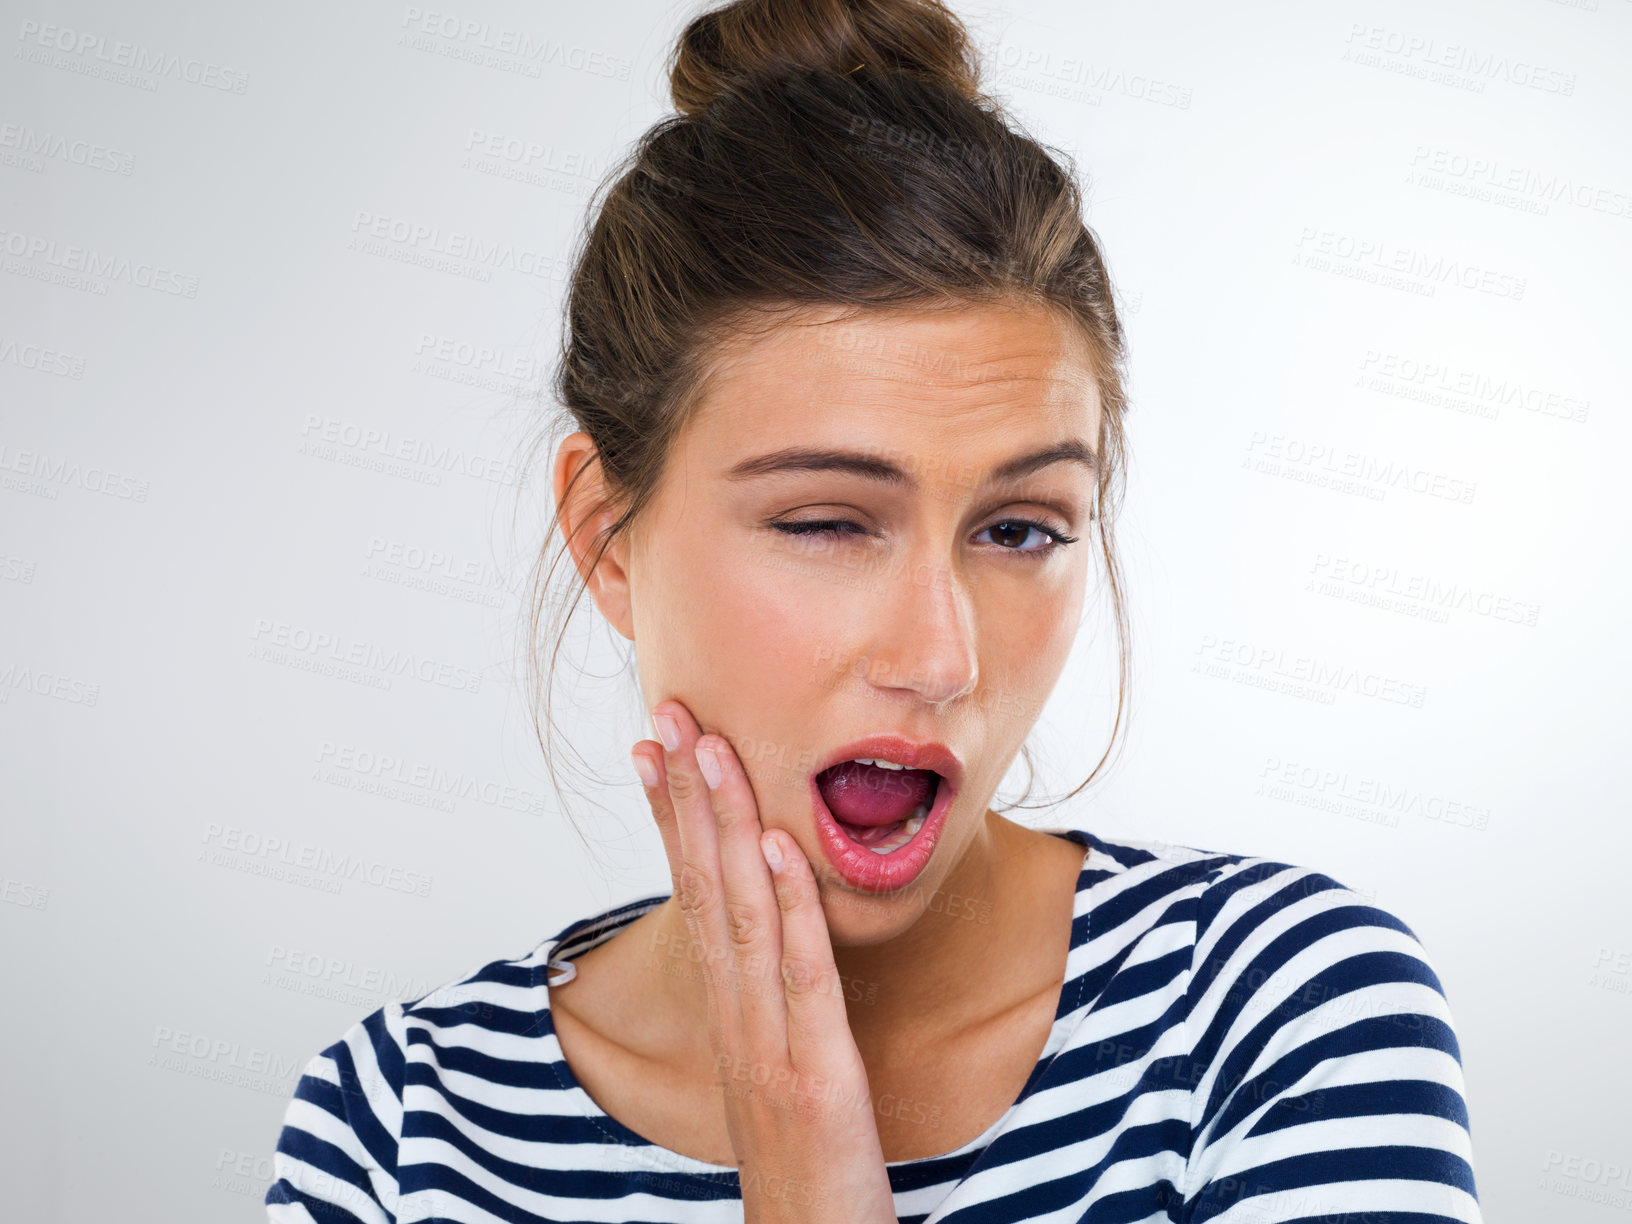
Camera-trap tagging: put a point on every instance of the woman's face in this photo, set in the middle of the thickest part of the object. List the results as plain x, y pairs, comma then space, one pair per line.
943, 612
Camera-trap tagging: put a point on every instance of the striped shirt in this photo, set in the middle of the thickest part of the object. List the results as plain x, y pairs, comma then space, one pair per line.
1237, 1041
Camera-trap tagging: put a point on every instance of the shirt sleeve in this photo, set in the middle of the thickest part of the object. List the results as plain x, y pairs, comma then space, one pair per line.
1328, 1079
336, 1158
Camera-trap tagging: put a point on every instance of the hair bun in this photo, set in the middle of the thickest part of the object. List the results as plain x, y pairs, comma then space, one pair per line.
757, 39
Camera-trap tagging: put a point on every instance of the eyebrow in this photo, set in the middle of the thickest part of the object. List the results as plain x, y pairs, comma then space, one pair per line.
871, 467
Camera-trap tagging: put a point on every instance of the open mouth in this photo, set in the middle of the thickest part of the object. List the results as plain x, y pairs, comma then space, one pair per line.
878, 804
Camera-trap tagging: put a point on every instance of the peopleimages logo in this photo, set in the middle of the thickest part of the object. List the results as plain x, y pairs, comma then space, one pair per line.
41, 683
386, 769
1387, 580
1271, 664
39, 146
39, 41
1277, 454
377, 234
1374, 257
44, 360
485, 44
97, 265
257, 854
1591, 1179
1439, 383
90, 478
1424, 54
228, 1053
1022, 65
276, 641
1543, 187
1320, 784
313, 973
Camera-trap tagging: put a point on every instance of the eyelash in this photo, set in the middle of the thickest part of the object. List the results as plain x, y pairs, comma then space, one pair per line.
829, 527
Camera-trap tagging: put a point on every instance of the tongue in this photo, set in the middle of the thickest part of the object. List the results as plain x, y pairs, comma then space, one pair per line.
868, 796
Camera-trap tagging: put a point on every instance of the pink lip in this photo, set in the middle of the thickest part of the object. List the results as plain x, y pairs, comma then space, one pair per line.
881, 873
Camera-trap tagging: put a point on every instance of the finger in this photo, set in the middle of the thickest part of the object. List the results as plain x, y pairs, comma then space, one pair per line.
819, 1036
657, 797
701, 886
753, 920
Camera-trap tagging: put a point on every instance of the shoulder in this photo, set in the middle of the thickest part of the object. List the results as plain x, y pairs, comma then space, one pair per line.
1304, 940
1221, 886
1314, 1040
1258, 926
364, 1070
336, 1155
361, 1072
508, 997
502, 994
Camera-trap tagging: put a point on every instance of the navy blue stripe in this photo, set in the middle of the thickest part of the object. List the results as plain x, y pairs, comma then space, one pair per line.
1305, 1172
323, 1155
1373, 1099
282, 1191
380, 1143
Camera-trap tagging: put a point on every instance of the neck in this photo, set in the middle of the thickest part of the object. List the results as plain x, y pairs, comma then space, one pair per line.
979, 925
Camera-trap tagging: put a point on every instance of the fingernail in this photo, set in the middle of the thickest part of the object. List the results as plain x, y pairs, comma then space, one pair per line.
667, 730
771, 851
644, 767
709, 764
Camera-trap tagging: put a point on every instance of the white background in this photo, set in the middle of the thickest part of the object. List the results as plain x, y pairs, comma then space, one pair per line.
171, 512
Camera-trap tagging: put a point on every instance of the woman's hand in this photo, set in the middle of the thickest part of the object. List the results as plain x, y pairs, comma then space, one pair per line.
797, 1105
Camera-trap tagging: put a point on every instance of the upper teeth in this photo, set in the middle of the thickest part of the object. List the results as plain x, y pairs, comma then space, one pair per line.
880, 762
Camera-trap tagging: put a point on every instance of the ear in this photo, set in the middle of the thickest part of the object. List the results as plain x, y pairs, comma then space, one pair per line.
582, 515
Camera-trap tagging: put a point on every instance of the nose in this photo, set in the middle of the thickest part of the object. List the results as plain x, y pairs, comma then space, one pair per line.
921, 638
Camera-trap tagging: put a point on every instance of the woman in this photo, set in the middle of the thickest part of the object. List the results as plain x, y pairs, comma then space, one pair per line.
847, 374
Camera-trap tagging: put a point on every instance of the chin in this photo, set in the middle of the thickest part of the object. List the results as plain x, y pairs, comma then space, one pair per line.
858, 917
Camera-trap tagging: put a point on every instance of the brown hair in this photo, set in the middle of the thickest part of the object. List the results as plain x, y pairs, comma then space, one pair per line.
833, 153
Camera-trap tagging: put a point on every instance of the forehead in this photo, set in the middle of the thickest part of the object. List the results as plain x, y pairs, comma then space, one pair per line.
934, 376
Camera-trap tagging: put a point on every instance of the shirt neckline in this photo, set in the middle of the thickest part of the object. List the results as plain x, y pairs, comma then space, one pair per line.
594, 930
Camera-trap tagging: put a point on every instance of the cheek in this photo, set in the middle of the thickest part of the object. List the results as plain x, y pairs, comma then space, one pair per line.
759, 663
1027, 636
1058, 621
749, 624
738, 639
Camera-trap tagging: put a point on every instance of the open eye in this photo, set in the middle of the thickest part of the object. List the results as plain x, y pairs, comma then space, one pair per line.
1024, 527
